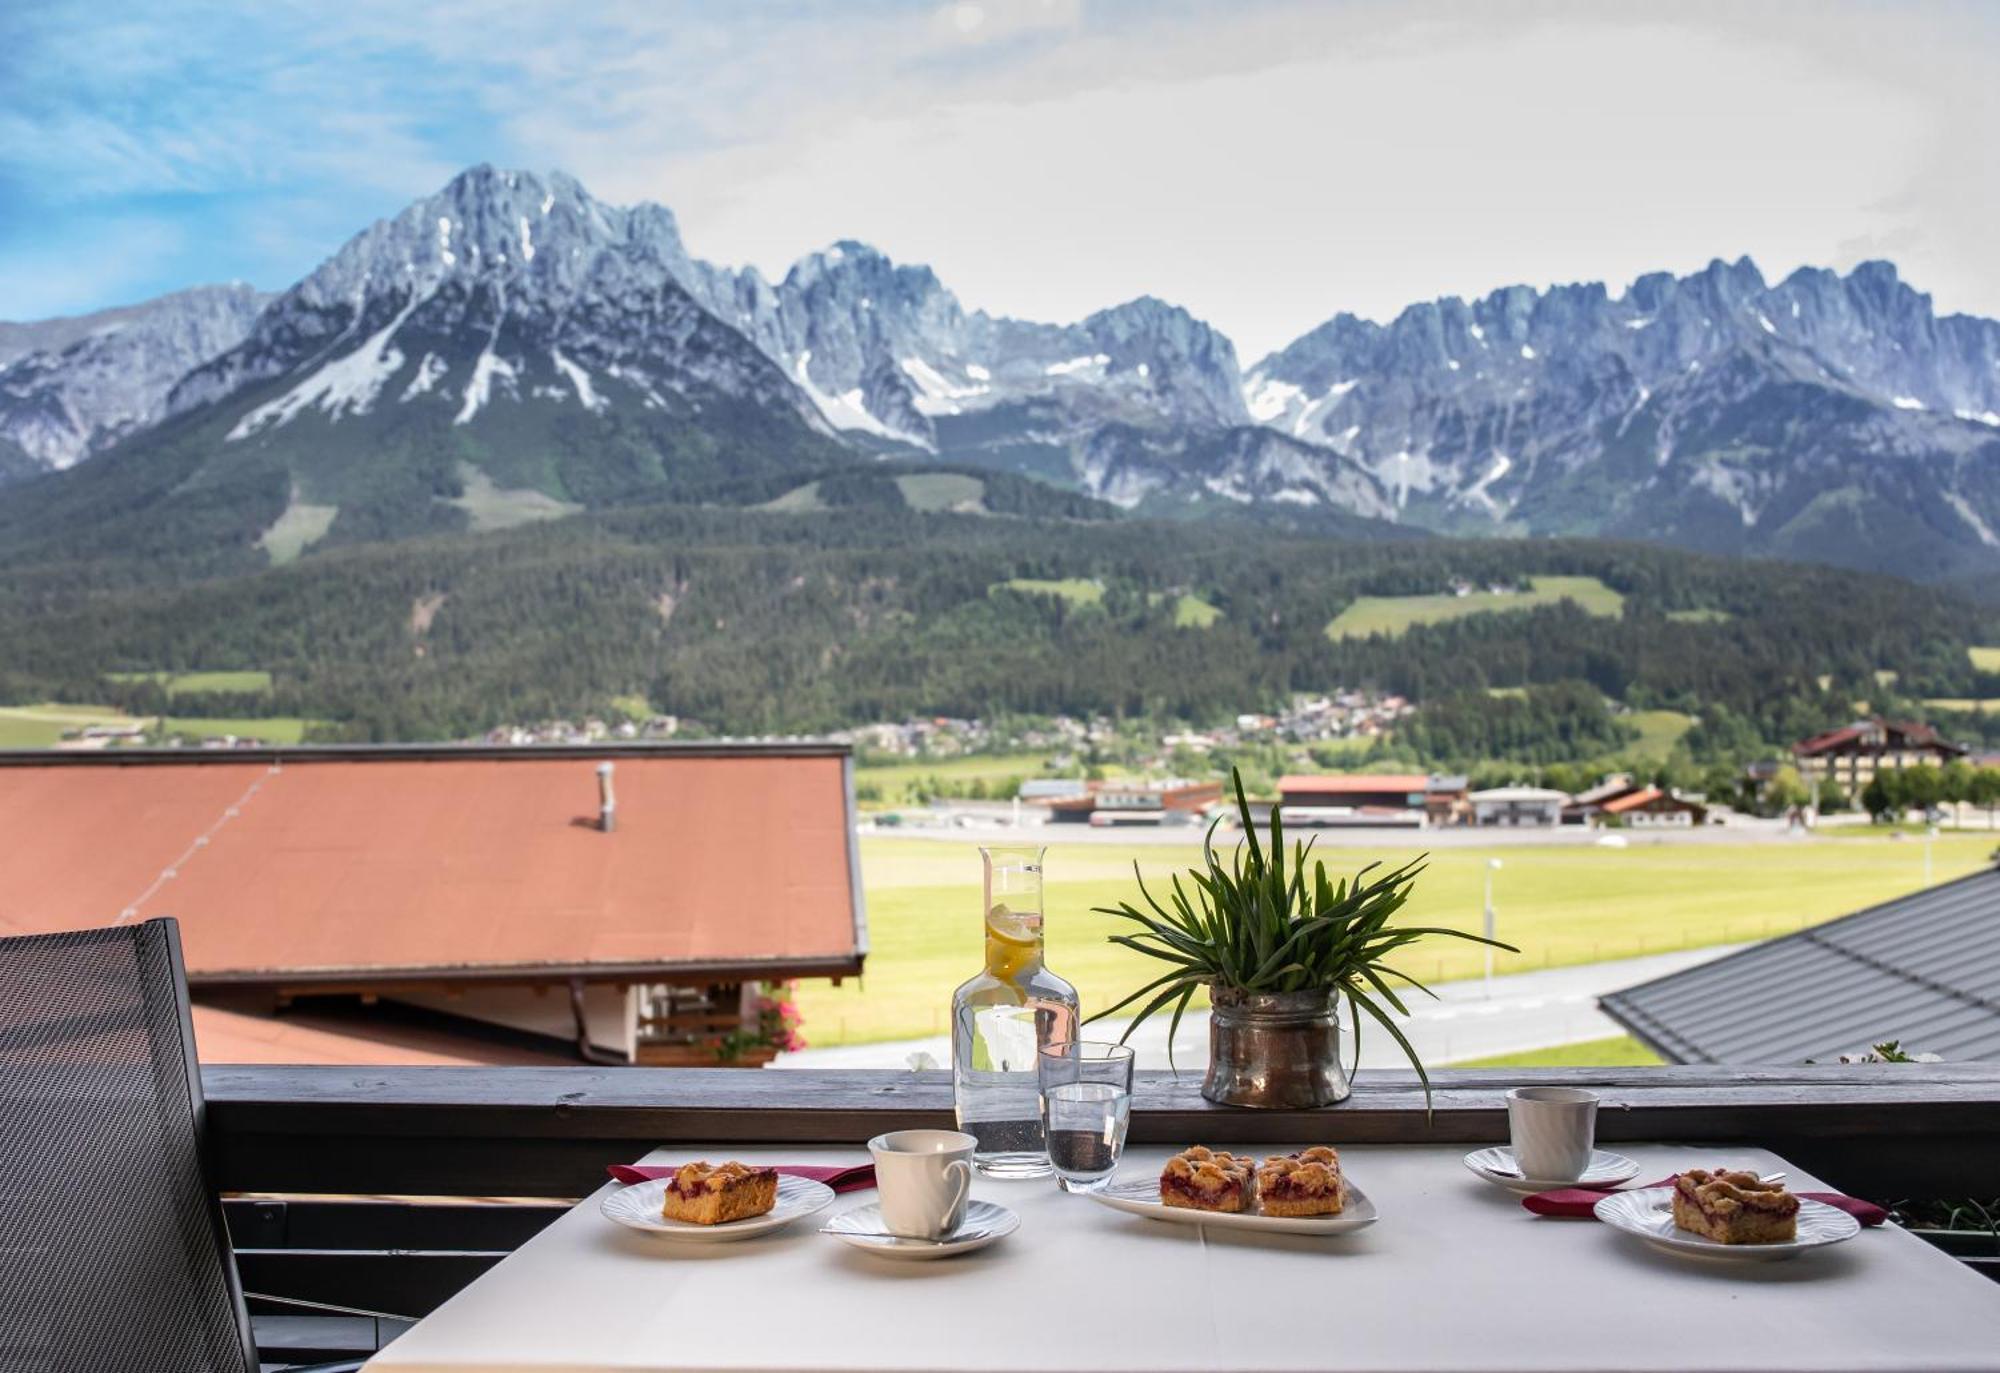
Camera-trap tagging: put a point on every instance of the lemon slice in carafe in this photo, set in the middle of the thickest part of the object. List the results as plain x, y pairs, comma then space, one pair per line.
1012, 940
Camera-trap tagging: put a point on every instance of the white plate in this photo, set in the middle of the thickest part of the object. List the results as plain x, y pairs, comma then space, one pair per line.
985, 1223
638, 1208
1498, 1165
1140, 1196
1648, 1213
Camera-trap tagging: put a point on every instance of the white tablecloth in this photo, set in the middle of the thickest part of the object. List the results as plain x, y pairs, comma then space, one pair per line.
1454, 1276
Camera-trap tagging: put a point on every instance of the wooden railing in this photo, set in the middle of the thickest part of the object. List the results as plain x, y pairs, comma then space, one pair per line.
311, 1135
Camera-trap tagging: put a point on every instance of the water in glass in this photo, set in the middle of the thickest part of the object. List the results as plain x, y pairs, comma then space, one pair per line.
1087, 1122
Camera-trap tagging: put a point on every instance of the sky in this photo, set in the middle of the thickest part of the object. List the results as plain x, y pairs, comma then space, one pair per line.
1266, 163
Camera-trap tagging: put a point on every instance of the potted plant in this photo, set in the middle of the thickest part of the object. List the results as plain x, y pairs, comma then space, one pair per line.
1278, 945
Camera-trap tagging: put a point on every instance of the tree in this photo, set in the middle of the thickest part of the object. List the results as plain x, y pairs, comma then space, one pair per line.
1786, 791
1955, 785
1923, 786
1831, 798
1984, 790
1884, 796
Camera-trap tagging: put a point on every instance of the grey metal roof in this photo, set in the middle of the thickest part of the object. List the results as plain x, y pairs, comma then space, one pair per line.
1923, 969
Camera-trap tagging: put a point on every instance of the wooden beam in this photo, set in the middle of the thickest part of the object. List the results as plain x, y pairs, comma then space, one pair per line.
1883, 1130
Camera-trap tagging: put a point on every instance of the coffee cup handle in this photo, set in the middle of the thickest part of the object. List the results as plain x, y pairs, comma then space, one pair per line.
961, 1174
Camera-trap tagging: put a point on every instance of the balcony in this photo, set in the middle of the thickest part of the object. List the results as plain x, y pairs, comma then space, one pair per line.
382, 1188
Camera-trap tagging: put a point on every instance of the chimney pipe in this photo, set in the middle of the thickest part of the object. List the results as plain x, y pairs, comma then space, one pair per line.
607, 804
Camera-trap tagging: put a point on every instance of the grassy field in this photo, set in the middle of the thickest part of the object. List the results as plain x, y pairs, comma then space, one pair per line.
1192, 612
301, 526
1659, 731
894, 781
279, 729
1619, 1051
942, 491
194, 683
1985, 659
1700, 617
1392, 615
1561, 905
1075, 590
1964, 703
43, 726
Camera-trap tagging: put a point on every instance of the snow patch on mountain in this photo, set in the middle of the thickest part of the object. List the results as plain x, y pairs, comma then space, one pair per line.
480, 389
429, 372
579, 380
347, 385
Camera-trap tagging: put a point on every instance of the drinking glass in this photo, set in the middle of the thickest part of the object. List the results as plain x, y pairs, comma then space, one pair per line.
1086, 1108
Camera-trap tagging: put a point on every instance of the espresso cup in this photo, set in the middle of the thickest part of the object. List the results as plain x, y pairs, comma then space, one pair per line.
923, 1177
1553, 1130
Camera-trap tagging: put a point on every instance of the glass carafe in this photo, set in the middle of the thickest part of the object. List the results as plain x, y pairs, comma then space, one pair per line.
1002, 1017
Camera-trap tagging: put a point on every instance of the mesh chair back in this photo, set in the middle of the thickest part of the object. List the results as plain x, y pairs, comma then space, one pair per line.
113, 1253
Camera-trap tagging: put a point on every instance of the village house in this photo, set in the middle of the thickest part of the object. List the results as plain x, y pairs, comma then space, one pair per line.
455, 903
1853, 754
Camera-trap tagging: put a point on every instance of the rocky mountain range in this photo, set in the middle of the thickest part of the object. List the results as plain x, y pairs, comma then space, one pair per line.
72, 387
511, 348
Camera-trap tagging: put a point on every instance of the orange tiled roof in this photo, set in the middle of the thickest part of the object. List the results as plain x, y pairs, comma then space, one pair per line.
1356, 782
223, 1036
332, 863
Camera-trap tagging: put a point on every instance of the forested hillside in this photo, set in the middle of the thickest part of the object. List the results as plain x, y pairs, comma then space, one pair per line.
750, 621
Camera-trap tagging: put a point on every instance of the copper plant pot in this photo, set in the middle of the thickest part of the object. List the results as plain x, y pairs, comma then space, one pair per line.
1275, 1050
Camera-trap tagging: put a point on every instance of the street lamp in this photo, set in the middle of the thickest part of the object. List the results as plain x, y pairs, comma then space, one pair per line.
1492, 866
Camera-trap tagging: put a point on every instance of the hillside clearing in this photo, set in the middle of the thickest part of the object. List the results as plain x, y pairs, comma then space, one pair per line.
1392, 615
493, 507
1985, 658
196, 683
1076, 590
300, 527
935, 491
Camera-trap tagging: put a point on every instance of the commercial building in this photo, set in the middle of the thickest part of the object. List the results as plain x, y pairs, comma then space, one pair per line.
1136, 802
1518, 807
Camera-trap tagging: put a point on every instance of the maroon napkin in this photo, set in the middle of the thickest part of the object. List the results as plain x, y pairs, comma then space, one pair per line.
1581, 1202
849, 1179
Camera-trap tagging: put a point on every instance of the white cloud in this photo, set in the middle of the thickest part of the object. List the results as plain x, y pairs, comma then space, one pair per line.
1268, 167
1264, 163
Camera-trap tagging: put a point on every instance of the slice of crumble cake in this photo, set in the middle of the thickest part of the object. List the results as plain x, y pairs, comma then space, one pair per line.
1735, 1207
705, 1195
1307, 1183
1203, 1179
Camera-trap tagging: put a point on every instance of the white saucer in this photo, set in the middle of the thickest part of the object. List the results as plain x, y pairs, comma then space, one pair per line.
863, 1227
1497, 1165
638, 1208
1648, 1213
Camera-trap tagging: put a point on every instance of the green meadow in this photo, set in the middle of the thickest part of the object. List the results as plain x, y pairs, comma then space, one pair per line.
1391, 615
1560, 905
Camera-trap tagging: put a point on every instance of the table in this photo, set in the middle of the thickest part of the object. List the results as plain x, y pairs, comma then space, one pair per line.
1456, 1275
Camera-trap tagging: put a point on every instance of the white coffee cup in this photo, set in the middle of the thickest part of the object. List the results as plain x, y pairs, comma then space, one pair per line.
1553, 1130
923, 1177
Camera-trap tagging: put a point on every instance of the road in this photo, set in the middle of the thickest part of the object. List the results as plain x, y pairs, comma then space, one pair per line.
991, 821
1524, 1011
